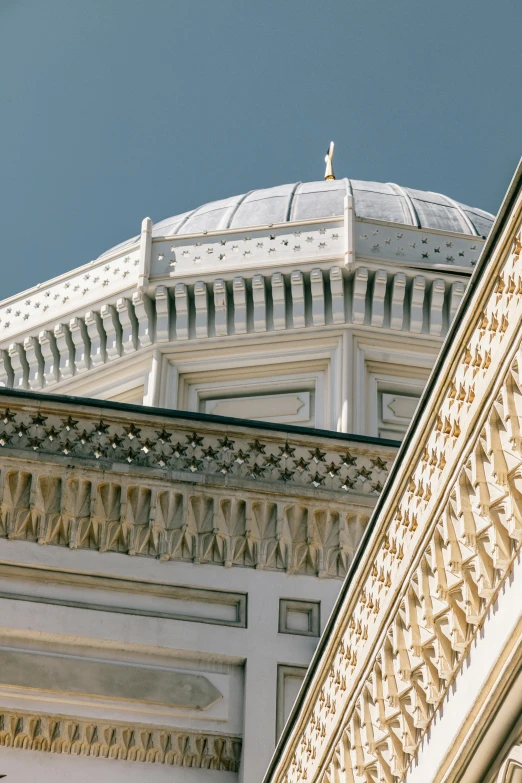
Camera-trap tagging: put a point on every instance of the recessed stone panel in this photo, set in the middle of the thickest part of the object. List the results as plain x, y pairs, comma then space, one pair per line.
110, 680
289, 681
299, 617
293, 407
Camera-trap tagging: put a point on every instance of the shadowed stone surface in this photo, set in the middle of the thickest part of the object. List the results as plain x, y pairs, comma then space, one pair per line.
110, 680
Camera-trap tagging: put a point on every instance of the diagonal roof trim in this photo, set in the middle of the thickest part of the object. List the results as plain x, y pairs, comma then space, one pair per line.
435, 377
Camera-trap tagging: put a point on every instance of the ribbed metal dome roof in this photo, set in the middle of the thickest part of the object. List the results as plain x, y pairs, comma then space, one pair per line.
315, 200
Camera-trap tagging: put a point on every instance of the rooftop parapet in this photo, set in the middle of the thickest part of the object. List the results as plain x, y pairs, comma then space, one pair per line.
193, 487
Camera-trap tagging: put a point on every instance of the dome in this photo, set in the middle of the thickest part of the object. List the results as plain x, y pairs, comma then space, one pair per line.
316, 200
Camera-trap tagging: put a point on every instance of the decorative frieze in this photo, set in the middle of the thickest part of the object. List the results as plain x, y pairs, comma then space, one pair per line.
185, 490
109, 440
76, 737
180, 522
182, 311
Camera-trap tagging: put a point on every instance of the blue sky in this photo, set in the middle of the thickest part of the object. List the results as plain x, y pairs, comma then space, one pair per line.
117, 109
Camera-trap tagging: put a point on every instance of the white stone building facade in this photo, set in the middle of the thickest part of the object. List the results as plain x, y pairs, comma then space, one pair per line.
195, 429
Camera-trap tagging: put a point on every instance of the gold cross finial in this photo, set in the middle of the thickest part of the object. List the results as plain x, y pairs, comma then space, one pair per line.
329, 173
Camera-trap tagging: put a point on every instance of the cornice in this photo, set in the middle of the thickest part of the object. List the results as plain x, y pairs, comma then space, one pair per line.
375, 295
192, 487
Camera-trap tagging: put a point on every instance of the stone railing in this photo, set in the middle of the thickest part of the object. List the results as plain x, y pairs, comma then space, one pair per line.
171, 291
443, 543
195, 488
156, 289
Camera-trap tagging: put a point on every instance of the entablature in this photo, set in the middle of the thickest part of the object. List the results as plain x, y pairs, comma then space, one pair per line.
180, 486
400, 302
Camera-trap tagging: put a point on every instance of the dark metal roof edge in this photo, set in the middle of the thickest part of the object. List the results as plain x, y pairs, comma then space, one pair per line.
512, 191
209, 418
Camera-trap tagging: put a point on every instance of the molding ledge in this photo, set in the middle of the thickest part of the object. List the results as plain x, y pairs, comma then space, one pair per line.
199, 489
